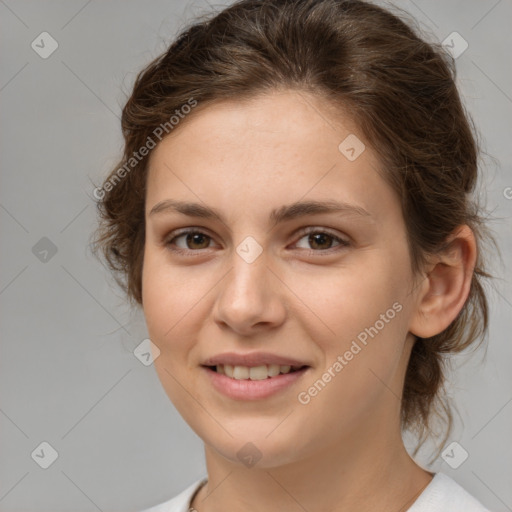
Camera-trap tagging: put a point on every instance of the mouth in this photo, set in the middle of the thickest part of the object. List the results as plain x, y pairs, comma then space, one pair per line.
260, 372
248, 383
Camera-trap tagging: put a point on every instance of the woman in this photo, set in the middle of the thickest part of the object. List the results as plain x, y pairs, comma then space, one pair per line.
293, 213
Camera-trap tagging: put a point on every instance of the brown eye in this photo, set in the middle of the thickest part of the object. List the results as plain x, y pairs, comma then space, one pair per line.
190, 241
319, 241
197, 241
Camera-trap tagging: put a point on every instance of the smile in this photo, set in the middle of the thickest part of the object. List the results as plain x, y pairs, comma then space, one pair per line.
253, 383
260, 372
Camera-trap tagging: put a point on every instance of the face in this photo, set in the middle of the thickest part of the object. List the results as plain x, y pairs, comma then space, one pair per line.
295, 254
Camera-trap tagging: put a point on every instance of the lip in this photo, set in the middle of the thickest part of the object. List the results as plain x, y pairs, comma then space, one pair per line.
252, 359
252, 389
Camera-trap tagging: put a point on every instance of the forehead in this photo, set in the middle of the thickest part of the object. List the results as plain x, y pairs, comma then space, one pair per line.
273, 148
275, 117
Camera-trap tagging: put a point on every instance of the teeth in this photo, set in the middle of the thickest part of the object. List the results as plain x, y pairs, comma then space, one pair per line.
240, 372
253, 373
273, 370
258, 372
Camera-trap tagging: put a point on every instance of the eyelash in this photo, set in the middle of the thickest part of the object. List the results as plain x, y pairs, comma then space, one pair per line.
307, 231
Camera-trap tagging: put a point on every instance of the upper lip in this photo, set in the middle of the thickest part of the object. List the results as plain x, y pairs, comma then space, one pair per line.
252, 359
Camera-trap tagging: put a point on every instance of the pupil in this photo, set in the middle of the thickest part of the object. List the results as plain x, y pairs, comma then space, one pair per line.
313, 239
196, 238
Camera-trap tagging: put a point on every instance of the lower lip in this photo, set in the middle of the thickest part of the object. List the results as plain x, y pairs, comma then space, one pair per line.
253, 389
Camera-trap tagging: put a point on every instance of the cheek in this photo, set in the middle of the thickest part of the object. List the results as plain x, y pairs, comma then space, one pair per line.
165, 304
350, 299
176, 301
365, 307
361, 369
168, 293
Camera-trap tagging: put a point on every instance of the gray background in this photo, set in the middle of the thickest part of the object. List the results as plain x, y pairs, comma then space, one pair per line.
68, 375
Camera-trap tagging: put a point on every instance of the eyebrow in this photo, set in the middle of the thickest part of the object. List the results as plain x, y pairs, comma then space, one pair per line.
278, 215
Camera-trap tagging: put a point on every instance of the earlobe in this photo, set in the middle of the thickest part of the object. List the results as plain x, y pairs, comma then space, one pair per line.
447, 284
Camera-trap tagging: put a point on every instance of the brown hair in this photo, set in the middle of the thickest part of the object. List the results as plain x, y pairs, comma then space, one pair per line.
398, 88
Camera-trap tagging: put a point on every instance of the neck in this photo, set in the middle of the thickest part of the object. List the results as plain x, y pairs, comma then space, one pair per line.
358, 473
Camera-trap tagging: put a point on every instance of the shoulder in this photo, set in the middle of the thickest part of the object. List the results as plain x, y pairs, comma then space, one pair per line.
443, 494
179, 503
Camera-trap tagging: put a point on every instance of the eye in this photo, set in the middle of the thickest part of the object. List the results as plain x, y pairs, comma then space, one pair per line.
321, 241
191, 240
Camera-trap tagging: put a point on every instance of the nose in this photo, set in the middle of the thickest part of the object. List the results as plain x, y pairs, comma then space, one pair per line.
251, 297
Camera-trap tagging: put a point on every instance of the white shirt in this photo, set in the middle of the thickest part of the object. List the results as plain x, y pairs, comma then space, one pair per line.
442, 494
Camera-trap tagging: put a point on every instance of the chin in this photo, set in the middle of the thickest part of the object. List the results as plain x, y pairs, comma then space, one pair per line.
254, 447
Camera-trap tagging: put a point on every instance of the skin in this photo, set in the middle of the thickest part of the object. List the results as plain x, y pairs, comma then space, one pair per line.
343, 450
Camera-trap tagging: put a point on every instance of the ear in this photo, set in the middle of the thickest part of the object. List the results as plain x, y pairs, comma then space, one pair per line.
444, 291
